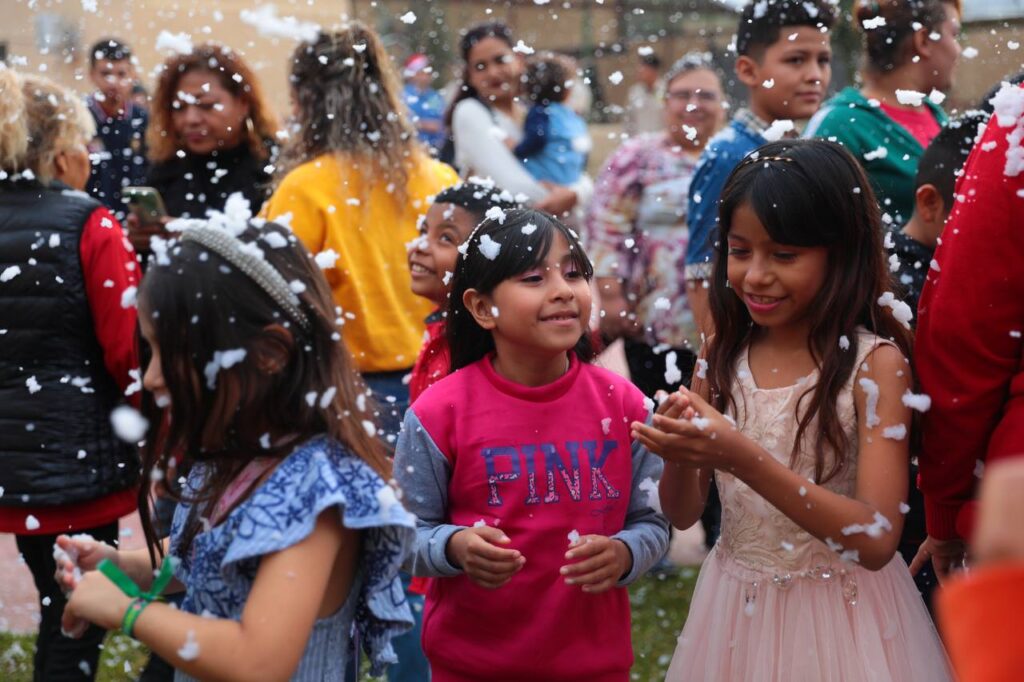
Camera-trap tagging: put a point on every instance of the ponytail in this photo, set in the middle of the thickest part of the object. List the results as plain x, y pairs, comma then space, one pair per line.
13, 124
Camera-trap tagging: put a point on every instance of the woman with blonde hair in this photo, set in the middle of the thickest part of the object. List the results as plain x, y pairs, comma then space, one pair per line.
67, 283
356, 181
211, 132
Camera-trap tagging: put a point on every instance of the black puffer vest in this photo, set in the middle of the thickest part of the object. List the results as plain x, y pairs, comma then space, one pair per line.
57, 445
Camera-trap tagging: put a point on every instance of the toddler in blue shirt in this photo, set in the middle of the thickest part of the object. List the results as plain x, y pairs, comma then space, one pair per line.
555, 140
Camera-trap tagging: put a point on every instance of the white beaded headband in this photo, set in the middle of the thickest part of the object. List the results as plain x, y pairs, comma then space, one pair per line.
253, 266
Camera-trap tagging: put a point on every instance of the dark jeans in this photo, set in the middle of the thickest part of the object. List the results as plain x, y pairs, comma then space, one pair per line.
391, 394
59, 658
647, 371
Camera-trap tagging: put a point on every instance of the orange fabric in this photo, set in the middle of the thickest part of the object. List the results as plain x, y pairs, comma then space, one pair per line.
981, 617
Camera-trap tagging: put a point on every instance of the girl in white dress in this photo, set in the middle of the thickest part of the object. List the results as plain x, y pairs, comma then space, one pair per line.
800, 409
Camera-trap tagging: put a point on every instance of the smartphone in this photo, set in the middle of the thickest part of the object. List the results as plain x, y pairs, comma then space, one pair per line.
146, 203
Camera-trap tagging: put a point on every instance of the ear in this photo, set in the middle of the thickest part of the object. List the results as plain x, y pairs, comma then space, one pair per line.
921, 44
481, 308
748, 71
60, 165
273, 348
928, 204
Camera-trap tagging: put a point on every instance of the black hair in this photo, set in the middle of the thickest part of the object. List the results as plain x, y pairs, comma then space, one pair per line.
472, 36
887, 45
808, 193
525, 236
941, 162
652, 60
547, 76
108, 49
476, 197
762, 21
986, 102
200, 305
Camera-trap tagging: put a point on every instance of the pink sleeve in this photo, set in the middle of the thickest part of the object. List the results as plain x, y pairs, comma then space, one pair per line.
111, 276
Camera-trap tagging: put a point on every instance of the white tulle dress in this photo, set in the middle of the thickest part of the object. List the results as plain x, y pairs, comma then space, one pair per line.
774, 604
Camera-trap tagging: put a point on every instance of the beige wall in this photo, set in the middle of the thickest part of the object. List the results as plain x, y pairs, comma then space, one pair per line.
139, 22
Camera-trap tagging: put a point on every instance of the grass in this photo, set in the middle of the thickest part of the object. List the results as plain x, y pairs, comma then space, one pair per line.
660, 603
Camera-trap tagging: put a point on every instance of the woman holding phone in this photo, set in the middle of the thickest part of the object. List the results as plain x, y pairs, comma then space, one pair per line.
211, 134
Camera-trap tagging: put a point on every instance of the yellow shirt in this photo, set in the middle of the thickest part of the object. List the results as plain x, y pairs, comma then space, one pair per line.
333, 207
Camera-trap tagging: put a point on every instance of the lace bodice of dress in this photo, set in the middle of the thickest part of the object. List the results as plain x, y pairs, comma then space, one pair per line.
755, 534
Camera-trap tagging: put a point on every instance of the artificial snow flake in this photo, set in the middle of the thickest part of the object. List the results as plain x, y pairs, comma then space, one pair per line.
871, 391
10, 273
873, 529
33, 385
673, 375
650, 486
921, 402
326, 259
606, 425
900, 310
488, 247
910, 98
175, 43
574, 536
408, 18
189, 651
129, 425
778, 129
222, 359
128, 297
264, 18
31, 523
615, 78
897, 432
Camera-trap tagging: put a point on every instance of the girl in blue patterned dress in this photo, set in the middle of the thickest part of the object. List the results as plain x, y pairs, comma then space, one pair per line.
287, 539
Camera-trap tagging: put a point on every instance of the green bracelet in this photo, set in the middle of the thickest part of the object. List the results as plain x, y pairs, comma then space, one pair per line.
135, 609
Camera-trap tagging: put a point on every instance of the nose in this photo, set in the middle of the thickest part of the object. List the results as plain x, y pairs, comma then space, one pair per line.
153, 379
192, 116
815, 71
759, 273
561, 290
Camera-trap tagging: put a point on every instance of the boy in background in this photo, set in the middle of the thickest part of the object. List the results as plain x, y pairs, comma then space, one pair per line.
425, 103
644, 100
784, 58
118, 152
913, 247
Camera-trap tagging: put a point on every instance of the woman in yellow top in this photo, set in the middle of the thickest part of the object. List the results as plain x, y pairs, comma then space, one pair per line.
355, 182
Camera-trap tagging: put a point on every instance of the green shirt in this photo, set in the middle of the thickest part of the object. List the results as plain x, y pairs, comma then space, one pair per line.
865, 129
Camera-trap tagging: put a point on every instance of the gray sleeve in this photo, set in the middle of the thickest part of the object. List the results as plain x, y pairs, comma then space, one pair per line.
422, 472
646, 533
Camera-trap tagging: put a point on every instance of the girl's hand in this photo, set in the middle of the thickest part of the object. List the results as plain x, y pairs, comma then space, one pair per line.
600, 563
476, 551
85, 553
96, 600
688, 431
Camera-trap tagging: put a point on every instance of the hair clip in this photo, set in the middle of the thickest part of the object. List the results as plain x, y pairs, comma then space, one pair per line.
766, 159
253, 266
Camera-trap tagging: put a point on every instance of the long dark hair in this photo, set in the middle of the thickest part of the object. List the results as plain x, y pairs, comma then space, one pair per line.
521, 250
808, 193
198, 304
489, 29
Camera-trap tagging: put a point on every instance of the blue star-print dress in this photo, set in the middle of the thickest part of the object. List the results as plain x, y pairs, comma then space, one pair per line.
280, 512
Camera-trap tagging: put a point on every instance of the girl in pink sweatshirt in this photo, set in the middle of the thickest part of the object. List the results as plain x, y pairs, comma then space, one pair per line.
523, 474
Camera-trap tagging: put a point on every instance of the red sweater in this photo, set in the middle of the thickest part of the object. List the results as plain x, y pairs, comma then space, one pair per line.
971, 318
109, 267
